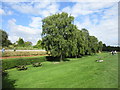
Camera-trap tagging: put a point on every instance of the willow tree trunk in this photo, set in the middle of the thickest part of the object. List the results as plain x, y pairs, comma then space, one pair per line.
61, 58
76, 56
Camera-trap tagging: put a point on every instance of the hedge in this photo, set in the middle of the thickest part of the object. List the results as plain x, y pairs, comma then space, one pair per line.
11, 63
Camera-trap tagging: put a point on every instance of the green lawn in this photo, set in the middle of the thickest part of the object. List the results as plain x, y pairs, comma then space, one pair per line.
77, 73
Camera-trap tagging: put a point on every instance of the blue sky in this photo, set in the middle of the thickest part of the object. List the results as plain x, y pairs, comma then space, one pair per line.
24, 19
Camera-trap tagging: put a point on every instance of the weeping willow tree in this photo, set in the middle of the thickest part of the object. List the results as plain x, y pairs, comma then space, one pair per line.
61, 37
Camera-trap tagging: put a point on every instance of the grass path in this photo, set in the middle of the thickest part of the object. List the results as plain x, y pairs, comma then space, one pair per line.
76, 73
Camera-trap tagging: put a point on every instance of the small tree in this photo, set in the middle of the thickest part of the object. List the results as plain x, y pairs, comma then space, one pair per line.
38, 45
85, 41
93, 44
80, 42
100, 46
20, 42
4, 39
28, 43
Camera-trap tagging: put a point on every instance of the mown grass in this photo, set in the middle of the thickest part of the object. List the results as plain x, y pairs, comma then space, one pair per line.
77, 73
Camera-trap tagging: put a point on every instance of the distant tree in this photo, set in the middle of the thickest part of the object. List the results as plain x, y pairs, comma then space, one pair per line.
104, 47
15, 44
80, 42
28, 43
85, 41
100, 46
4, 39
93, 44
110, 48
20, 42
71, 44
38, 45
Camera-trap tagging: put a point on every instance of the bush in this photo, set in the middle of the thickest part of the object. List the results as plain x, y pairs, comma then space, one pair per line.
23, 67
12, 63
37, 64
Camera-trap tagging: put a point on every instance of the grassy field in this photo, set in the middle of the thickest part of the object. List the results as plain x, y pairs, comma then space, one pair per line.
77, 73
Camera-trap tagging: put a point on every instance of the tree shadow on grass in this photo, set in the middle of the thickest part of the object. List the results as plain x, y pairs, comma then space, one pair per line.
66, 59
55, 59
6, 82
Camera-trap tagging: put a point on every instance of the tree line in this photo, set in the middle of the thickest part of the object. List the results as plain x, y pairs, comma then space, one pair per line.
110, 48
61, 38
5, 42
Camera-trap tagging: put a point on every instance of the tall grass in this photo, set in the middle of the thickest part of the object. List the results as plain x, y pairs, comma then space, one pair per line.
22, 53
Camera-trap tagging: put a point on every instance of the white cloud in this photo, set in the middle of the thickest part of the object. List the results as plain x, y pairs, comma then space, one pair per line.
111, 12
25, 8
85, 8
28, 33
94, 0
67, 9
9, 13
103, 24
106, 30
2, 12
53, 8
85, 24
60, 0
29, 0
42, 4
15, 0
13, 38
45, 13
38, 8
36, 22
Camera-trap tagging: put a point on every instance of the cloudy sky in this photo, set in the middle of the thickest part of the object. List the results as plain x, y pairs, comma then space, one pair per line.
24, 19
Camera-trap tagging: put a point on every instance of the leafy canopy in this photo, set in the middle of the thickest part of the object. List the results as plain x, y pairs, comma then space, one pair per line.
62, 38
4, 39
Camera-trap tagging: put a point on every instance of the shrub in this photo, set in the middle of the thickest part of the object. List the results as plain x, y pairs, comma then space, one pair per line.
23, 67
37, 64
11, 63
